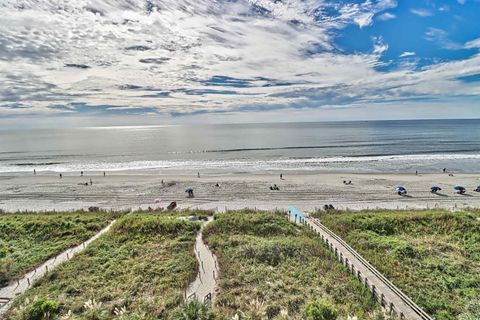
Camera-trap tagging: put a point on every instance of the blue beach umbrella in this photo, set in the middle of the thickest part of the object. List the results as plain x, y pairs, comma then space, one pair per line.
435, 188
189, 190
400, 188
459, 188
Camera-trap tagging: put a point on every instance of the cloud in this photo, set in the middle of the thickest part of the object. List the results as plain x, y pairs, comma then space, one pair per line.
379, 46
421, 12
441, 37
461, 1
179, 57
386, 16
407, 54
473, 44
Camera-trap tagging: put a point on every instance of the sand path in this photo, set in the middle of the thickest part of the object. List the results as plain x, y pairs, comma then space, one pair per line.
203, 288
7, 294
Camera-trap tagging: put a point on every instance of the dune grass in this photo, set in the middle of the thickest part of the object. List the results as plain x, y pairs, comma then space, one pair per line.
273, 269
433, 256
138, 270
27, 240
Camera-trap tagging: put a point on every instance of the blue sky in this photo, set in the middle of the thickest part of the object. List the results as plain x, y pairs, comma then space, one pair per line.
150, 61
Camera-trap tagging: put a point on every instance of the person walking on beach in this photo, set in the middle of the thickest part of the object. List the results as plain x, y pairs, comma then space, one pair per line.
34, 172
81, 173
281, 176
91, 182
198, 174
104, 173
61, 176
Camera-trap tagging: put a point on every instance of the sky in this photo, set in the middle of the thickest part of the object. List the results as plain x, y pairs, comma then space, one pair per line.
101, 62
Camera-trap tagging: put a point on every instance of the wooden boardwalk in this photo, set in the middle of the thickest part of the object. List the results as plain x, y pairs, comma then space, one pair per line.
389, 296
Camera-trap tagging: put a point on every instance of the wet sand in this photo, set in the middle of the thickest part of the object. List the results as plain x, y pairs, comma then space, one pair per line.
306, 191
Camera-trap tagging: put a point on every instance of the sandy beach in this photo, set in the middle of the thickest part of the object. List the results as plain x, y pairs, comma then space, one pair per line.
306, 191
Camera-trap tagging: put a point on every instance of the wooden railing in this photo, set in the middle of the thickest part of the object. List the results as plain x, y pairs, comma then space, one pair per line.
389, 305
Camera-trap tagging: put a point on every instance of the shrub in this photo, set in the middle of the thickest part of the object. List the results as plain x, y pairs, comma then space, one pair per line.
41, 309
320, 310
193, 310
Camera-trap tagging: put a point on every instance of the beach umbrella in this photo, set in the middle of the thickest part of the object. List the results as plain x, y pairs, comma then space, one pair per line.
477, 189
435, 188
459, 188
400, 188
189, 190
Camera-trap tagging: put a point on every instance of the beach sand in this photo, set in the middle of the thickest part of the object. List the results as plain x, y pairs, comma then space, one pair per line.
306, 191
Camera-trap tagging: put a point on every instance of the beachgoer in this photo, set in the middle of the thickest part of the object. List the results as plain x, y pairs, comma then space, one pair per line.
444, 170
163, 182
91, 182
198, 174
104, 173
61, 176
281, 176
416, 172
81, 173
34, 172
217, 185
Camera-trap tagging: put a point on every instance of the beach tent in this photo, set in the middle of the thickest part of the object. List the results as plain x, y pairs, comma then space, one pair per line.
459, 189
477, 189
434, 189
401, 190
190, 192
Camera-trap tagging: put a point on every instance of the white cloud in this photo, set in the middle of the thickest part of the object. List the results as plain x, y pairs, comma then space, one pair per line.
184, 57
473, 44
386, 16
441, 37
421, 12
379, 46
461, 1
407, 54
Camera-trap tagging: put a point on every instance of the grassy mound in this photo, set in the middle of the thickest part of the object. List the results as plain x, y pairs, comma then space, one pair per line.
138, 270
433, 256
273, 269
28, 240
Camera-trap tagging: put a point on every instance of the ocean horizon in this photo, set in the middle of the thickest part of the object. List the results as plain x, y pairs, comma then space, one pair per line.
356, 146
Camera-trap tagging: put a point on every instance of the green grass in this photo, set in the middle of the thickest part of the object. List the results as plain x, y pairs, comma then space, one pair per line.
433, 256
271, 267
28, 240
138, 270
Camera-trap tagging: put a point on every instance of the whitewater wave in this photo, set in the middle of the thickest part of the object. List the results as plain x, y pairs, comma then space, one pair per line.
384, 162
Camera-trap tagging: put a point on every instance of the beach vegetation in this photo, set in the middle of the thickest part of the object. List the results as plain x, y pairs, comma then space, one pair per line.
431, 255
28, 239
271, 268
137, 270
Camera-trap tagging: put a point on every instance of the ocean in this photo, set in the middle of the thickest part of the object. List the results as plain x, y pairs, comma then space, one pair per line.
365, 146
